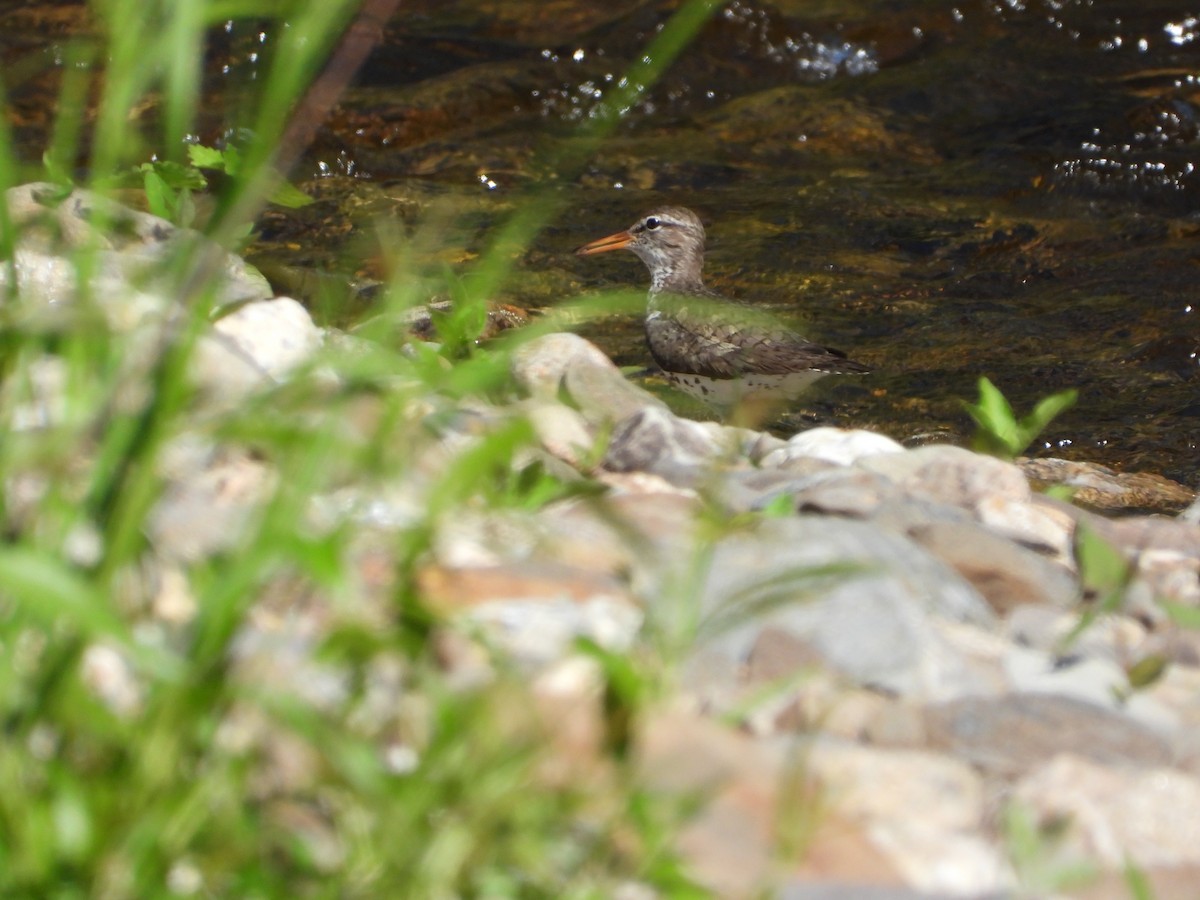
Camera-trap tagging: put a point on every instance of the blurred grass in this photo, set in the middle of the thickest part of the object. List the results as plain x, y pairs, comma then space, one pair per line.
179, 787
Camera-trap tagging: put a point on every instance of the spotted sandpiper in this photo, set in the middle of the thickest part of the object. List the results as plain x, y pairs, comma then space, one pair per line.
707, 345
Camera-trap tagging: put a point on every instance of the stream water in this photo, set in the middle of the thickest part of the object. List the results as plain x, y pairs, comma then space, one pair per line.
942, 188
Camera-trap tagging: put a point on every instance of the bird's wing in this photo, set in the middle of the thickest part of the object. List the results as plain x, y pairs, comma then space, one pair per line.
697, 337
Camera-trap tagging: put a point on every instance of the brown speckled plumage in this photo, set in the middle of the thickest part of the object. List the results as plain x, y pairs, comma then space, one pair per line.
694, 331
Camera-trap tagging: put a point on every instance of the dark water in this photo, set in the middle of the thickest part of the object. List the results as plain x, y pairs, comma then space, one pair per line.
942, 189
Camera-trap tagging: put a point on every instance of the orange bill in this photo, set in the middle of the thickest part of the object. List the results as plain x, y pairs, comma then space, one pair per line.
616, 241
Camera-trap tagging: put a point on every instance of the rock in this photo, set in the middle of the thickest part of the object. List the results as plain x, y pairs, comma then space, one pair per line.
109, 675
1039, 527
1103, 489
1092, 679
278, 334
37, 397
547, 365
1006, 574
1115, 815
1171, 574
732, 842
256, 345
1191, 515
1139, 534
207, 510
535, 612
836, 445
841, 491
654, 440
944, 474
562, 431
126, 280
859, 597
881, 789
1010, 735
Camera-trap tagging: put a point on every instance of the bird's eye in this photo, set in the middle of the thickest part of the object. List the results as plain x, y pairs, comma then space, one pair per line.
652, 223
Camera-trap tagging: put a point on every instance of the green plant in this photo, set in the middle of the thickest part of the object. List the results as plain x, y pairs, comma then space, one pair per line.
999, 432
177, 788
1035, 850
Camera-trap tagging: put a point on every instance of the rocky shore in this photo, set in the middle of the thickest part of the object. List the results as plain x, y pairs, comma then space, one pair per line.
891, 673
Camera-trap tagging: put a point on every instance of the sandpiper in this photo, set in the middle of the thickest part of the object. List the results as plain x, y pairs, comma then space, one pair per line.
706, 344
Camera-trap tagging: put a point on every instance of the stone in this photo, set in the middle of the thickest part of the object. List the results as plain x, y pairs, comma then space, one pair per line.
279, 334
1046, 529
937, 850
835, 445
945, 474
257, 345
207, 510
843, 492
1011, 735
562, 431
562, 362
535, 612
1101, 488
128, 278
656, 441
36, 394
860, 597
1006, 574
1116, 815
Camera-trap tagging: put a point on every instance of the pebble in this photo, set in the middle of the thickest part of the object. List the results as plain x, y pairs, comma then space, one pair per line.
888, 638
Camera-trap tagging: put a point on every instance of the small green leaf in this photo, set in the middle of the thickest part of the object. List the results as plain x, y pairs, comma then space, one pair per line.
1104, 575
54, 171
779, 507
1181, 615
1103, 569
1046, 410
177, 175
159, 197
290, 196
207, 157
999, 432
1147, 670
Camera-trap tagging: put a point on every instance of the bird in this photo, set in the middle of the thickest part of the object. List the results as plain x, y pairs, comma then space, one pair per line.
706, 344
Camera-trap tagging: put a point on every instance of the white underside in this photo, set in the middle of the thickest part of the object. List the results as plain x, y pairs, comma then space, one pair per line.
750, 388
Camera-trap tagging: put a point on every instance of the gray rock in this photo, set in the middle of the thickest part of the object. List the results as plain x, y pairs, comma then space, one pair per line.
843, 492
1191, 515
860, 597
129, 277
1040, 527
207, 510
655, 440
553, 363
1006, 574
945, 474
1012, 734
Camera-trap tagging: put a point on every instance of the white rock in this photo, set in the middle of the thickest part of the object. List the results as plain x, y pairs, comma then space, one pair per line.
107, 673
1147, 816
278, 335
837, 445
947, 474
1041, 527
923, 810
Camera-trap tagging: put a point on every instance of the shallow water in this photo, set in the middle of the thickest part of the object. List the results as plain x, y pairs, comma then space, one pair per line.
942, 189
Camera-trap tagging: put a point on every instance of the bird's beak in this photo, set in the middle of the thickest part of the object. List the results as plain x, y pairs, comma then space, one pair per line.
616, 241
